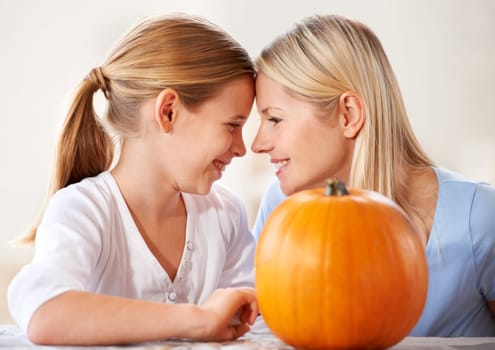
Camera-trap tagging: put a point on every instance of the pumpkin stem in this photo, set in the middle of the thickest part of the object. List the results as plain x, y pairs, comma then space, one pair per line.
335, 187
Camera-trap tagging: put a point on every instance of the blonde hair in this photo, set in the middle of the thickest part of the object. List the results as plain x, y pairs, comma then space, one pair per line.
325, 56
178, 51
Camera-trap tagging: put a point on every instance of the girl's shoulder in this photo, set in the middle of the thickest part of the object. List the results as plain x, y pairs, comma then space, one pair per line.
91, 195
221, 209
220, 197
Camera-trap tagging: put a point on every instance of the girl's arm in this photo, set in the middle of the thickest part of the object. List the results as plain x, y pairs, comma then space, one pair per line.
82, 318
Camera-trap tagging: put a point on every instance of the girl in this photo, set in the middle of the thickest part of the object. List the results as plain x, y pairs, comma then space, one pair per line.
147, 248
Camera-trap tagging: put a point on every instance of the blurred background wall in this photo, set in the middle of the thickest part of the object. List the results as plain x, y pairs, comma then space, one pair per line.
443, 52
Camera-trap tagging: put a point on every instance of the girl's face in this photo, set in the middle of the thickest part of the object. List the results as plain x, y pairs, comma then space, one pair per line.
207, 137
306, 145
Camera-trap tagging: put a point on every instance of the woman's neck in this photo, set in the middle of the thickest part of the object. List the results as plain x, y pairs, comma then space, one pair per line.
422, 194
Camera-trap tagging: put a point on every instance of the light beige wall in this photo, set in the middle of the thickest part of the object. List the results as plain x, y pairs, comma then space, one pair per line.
443, 52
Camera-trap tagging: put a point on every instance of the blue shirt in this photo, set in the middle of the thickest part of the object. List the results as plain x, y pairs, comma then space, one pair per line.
460, 253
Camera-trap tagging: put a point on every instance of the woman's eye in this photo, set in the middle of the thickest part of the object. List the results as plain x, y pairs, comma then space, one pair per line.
274, 120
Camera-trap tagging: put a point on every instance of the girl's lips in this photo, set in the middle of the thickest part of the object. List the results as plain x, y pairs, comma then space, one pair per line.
219, 165
218, 168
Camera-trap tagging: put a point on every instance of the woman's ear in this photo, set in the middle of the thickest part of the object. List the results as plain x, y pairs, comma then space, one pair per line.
165, 106
352, 113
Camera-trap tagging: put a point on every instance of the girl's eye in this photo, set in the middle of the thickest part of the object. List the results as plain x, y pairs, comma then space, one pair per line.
233, 126
274, 120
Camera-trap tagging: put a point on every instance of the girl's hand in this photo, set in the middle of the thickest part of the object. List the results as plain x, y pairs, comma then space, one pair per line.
228, 314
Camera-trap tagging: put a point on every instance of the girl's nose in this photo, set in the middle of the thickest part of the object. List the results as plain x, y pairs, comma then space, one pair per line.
238, 148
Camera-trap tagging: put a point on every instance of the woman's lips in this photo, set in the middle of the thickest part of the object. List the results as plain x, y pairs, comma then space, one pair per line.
280, 165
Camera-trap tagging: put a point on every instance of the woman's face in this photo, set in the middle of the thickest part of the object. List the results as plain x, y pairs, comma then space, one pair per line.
207, 137
306, 145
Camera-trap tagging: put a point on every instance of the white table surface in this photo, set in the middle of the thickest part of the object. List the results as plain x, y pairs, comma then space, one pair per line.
12, 338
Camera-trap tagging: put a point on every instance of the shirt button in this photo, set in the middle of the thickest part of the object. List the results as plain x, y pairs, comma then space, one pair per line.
172, 296
189, 245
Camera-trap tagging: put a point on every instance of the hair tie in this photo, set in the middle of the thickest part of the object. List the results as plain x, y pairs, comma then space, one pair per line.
96, 76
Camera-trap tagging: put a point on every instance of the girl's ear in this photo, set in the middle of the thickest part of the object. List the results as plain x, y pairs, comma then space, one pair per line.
352, 116
165, 109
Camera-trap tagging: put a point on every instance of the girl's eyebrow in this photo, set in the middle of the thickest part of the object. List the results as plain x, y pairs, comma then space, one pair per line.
239, 117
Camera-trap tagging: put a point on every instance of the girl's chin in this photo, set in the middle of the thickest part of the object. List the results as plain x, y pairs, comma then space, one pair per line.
204, 189
201, 187
217, 174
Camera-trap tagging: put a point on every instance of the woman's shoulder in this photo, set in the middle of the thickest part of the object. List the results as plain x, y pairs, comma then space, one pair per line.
452, 181
273, 196
461, 194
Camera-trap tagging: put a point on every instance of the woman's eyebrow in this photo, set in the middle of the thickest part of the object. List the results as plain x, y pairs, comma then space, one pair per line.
267, 110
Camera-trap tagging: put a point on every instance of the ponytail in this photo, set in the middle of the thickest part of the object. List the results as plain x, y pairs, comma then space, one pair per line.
84, 148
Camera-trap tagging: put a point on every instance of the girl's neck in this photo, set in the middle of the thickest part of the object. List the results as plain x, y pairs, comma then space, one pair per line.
147, 195
159, 214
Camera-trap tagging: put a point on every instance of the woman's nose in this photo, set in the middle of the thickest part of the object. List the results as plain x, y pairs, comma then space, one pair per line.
260, 143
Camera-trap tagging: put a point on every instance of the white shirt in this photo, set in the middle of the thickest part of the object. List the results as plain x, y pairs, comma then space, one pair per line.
88, 241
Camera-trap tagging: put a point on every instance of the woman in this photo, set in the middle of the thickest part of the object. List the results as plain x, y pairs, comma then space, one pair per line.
143, 246
330, 106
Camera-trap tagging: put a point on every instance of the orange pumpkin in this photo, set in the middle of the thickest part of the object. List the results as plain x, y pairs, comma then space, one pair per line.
340, 270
